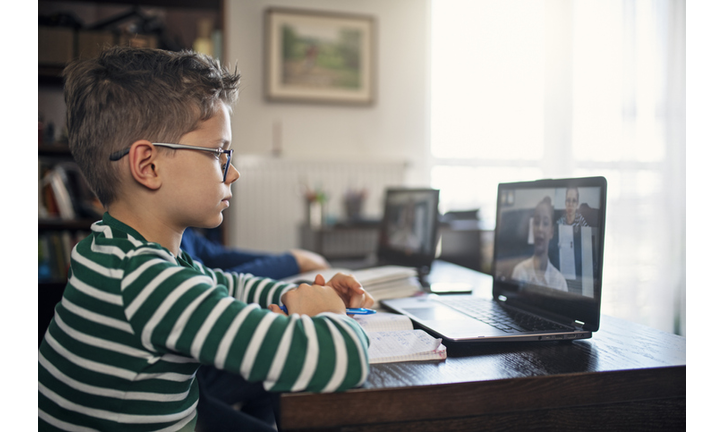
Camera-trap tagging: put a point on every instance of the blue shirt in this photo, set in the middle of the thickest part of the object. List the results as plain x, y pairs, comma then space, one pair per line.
214, 255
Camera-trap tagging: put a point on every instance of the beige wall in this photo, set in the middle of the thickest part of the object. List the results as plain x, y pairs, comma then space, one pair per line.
395, 127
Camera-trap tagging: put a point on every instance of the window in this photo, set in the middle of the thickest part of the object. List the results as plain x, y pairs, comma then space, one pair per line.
486, 98
532, 89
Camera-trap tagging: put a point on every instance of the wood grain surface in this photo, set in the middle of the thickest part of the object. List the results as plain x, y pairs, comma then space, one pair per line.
627, 377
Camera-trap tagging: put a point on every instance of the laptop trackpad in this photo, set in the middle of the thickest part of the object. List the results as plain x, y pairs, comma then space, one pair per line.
451, 323
436, 314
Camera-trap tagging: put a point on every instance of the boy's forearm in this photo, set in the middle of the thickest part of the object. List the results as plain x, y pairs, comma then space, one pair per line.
325, 353
258, 290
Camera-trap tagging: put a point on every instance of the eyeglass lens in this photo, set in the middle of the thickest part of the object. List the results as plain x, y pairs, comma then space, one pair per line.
225, 159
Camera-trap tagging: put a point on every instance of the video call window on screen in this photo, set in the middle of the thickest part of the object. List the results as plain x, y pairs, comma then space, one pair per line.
550, 238
409, 221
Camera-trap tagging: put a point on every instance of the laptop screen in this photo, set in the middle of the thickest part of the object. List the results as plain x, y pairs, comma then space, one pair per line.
408, 232
549, 246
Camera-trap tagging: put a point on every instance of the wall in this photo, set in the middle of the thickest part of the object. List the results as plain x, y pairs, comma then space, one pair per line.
394, 128
273, 187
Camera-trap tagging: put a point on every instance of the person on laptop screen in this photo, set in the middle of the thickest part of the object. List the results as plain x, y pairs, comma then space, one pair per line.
404, 235
538, 269
573, 216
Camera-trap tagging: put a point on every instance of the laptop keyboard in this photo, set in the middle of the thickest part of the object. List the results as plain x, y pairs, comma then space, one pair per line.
493, 314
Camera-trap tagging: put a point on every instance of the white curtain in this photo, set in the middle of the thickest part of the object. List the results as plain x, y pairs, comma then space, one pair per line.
560, 88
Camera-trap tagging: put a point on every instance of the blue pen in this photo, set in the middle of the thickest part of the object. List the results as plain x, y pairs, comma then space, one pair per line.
360, 311
350, 311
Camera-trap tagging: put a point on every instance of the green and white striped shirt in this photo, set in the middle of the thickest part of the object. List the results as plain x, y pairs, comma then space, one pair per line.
135, 323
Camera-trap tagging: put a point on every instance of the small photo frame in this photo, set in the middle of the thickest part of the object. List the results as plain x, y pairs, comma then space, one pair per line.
319, 57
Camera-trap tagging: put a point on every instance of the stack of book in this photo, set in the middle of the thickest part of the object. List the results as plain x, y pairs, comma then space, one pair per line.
388, 282
384, 282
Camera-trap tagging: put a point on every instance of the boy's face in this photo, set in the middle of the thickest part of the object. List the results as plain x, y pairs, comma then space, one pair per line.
542, 229
197, 194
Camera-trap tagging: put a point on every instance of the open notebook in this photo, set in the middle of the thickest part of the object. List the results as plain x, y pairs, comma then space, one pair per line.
393, 339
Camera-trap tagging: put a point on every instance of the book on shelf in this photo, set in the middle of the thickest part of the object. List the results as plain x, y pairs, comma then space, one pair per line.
54, 249
64, 193
393, 339
384, 282
57, 193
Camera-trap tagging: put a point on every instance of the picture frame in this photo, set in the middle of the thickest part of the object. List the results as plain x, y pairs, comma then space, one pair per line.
319, 57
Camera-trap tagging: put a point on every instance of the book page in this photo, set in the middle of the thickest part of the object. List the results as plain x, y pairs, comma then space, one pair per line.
404, 345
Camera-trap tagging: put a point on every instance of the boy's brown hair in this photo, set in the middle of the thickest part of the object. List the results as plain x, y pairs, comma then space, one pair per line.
127, 94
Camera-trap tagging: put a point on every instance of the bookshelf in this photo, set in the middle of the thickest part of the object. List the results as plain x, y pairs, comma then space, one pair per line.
71, 29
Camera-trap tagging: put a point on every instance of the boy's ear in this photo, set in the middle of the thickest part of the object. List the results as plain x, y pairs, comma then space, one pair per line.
142, 159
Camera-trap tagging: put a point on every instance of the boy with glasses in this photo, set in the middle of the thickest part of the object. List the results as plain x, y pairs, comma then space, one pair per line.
151, 133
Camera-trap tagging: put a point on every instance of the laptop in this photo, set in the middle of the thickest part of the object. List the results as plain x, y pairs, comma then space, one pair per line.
547, 267
408, 231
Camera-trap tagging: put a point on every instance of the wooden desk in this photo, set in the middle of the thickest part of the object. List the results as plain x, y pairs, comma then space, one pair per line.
627, 377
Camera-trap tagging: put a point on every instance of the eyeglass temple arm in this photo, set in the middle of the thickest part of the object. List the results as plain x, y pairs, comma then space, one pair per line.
119, 154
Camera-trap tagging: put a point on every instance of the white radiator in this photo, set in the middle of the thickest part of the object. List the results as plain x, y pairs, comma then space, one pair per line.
268, 206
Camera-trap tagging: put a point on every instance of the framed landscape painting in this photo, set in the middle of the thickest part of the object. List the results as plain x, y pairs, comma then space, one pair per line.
320, 57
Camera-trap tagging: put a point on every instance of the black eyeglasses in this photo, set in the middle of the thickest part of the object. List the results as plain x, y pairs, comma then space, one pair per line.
224, 156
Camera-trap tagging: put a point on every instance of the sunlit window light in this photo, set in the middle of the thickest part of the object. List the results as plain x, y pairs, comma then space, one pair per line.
488, 90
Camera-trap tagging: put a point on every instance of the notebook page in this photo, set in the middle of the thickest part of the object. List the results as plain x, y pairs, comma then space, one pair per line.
404, 345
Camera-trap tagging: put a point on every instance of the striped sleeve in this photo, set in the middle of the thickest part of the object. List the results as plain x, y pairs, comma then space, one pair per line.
123, 348
221, 319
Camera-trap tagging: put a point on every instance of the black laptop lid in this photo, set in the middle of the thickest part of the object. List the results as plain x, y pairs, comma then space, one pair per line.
408, 233
548, 253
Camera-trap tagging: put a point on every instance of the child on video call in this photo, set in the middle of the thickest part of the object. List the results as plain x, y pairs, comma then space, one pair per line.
150, 130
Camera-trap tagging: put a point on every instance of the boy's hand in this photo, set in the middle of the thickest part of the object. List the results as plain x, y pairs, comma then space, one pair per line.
349, 289
276, 309
311, 300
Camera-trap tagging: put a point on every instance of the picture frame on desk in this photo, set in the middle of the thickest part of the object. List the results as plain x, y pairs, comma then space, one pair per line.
319, 57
